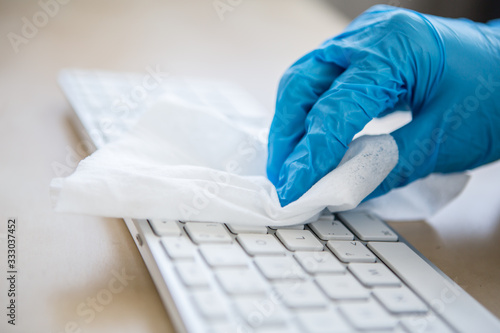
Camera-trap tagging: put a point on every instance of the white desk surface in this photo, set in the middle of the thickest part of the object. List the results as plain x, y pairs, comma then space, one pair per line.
65, 261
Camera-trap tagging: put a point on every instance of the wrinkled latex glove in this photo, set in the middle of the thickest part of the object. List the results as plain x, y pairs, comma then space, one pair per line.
446, 71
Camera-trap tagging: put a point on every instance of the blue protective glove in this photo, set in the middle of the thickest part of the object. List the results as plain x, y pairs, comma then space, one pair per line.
446, 71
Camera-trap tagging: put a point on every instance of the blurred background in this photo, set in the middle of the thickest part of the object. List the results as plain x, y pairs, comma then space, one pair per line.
477, 10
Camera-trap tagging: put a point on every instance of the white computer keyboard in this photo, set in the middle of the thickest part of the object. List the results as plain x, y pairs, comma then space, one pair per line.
347, 272
315, 278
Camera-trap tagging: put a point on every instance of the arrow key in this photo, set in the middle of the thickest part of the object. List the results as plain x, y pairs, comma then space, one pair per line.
351, 251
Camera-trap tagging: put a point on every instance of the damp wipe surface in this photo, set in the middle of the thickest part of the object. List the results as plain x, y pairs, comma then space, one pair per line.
191, 163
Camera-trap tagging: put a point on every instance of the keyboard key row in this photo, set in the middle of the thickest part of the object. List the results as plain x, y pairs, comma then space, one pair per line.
366, 226
261, 311
263, 243
337, 287
232, 255
368, 291
267, 309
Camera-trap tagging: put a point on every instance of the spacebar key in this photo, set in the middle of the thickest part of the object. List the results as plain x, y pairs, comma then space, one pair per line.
442, 294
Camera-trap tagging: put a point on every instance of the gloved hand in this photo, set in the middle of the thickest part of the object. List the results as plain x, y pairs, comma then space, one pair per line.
446, 71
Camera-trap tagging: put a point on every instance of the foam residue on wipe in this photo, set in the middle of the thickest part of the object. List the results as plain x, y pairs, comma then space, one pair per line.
368, 161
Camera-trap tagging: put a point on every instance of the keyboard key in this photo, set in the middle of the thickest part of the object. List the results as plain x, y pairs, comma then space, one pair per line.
425, 324
217, 255
400, 300
368, 227
260, 244
192, 274
374, 274
165, 227
302, 240
330, 229
368, 316
279, 268
300, 294
323, 321
207, 232
341, 287
260, 311
290, 227
209, 304
319, 262
240, 281
351, 251
178, 247
246, 229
